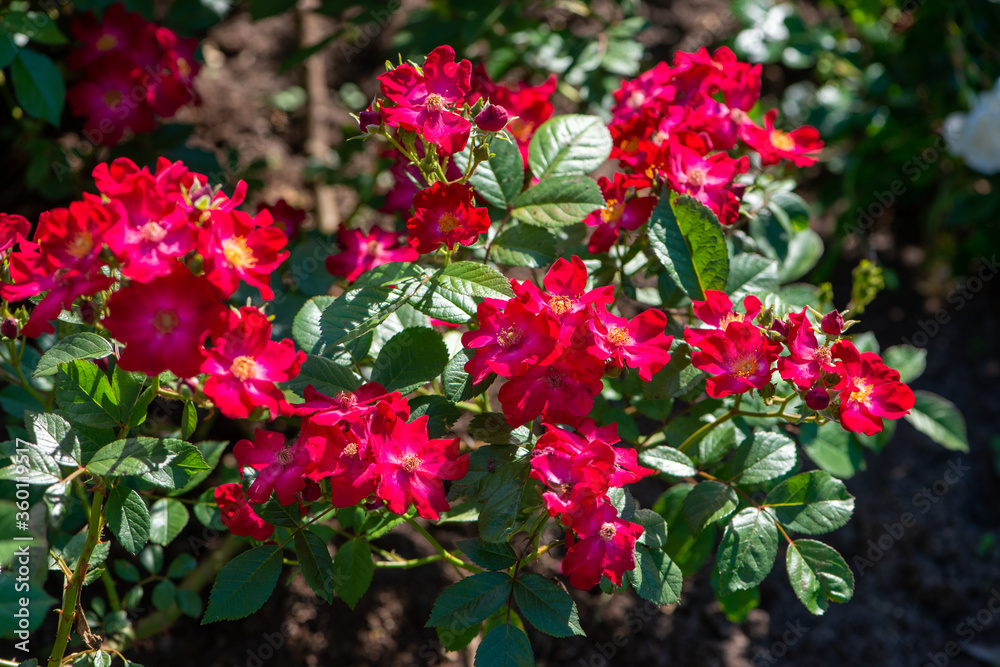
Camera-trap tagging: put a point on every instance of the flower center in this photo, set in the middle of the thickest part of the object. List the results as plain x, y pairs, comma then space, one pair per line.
346, 399
822, 355
739, 116
781, 140
608, 531
284, 457
565, 489
351, 449
560, 305
726, 319
554, 380
612, 211
448, 222
862, 390
165, 321
153, 231
636, 99
243, 368
658, 137
81, 245
435, 102
112, 99
238, 253
745, 365
106, 42
410, 462
373, 248
509, 336
696, 177
619, 336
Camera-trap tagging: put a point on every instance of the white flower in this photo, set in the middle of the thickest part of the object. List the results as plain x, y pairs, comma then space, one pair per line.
975, 136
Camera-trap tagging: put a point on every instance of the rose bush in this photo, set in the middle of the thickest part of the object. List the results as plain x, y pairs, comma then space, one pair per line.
440, 382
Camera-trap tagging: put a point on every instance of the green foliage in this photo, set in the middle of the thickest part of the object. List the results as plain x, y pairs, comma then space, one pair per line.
547, 606
687, 239
939, 419
470, 600
244, 584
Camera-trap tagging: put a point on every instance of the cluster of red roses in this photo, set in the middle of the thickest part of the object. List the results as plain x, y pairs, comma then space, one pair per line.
181, 250
676, 124
577, 470
740, 356
434, 102
555, 345
132, 69
363, 443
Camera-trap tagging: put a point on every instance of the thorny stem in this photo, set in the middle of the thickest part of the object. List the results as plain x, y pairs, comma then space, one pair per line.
72, 595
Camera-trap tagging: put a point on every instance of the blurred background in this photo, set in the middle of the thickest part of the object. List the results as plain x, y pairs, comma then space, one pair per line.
907, 98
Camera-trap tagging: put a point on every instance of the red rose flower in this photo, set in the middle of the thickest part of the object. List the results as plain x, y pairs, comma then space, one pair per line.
359, 253
238, 516
738, 359
444, 216
869, 390
801, 146
599, 543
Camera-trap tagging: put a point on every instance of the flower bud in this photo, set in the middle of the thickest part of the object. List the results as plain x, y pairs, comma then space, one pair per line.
10, 328
368, 118
374, 504
612, 369
311, 491
817, 399
87, 312
492, 118
832, 323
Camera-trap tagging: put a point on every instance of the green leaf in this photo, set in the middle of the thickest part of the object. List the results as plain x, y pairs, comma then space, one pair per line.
547, 606
558, 201
707, 503
499, 179
940, 420
316, 563
751, 274
654, 532
188, 602
167, 518
805, 248
569, 145
441, 414
655, 578
128, 518
488, 555
163, 594
818, 574
132, 400
765, 456
498, 516
524, 245
357, 313
133, 456
182, 566
277, 514
52, 436
306, 328
38, 85
85, 396
457, 640
811, 502
687, 239
505, 646
668, 460
244, 584
411, 358
84, 345
189, 419
353, 570
749, 547
475, 280
833, 449
36, 26
908, 360
389, 274
491, 427
325, 375
736, 605
457, 384
470, 600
